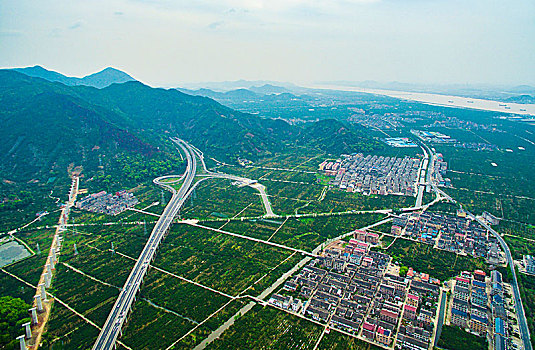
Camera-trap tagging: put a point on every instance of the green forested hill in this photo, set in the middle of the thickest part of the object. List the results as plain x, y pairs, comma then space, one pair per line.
48, 125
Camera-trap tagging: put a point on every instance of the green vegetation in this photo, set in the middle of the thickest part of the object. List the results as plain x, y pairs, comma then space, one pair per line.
222, 262
13, 314
454, 338
526, 285
338, 341
148, 324
265, 327
437, 263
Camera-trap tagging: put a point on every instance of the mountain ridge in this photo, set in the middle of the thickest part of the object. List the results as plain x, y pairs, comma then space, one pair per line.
100, 79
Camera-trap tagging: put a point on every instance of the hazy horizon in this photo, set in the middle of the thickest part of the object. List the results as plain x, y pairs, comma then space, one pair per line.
168, 44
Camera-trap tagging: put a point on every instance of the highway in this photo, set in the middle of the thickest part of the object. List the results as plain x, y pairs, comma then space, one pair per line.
522, 322
112, 328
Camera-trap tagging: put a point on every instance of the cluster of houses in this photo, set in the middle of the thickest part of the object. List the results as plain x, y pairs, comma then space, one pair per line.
408, 304
452, 233
433, 136
479, 304
528, 263
470, 302
440, 168
374, 174
107, 203
501, 326
338, 286
351, 288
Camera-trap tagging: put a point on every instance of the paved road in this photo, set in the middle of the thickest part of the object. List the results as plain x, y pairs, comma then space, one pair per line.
522, 322
112, 327
441, 314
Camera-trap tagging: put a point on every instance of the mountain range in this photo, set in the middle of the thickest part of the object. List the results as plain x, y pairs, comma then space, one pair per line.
48, 125
99, 80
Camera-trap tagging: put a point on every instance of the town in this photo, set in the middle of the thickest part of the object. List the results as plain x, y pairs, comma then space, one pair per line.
107, 203
374, 174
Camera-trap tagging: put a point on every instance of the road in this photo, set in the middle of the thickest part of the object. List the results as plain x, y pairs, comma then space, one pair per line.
422, 171
112, 328
522, 322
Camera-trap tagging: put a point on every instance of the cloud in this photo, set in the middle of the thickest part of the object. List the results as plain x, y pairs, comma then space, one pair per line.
76, 25
216, 25
10, 32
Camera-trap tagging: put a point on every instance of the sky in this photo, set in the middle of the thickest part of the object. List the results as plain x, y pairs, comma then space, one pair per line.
166, 43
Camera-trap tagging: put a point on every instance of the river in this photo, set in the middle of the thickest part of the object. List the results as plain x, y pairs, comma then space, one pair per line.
443, 100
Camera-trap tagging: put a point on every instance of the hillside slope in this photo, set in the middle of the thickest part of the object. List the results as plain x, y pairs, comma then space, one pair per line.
101, 79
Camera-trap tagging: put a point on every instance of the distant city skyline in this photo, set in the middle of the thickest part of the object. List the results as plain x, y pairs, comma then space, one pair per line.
164, 43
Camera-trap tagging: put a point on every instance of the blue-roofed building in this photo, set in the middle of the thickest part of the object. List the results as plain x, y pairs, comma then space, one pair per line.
499, 326
459, 317
497, 288
499, 342
479, 284
497, 300
479, 297
496, 276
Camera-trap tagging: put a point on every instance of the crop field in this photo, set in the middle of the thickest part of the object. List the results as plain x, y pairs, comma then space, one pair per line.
257, 228
199, 334
308, 233
10, 286
222, 262
68, 331
338, 341
519, 246
507, 207
336, 200
265, 327
184, 298
150, 328
437, 263
103, 265
516, 229
217, 198
83, 294
302, 233
305, 160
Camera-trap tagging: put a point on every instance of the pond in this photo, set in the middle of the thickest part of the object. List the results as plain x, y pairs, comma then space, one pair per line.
12, 251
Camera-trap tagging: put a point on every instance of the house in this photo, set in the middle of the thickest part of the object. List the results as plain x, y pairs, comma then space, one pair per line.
383, 336
461, 305
479, 297
409, 312
478, 324
386, 289
413, 300
344, 323
425, 317
389, 316
479, 275
406, 341
281, 301
461, 292
368, 330
459, 318
496, 276
529, 264
463, 282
